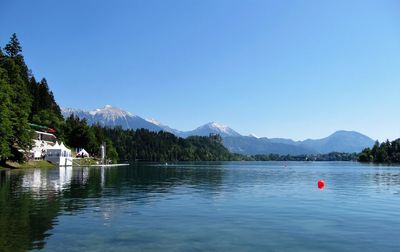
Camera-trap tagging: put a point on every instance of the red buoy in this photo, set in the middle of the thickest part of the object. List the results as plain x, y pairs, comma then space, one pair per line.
321, 184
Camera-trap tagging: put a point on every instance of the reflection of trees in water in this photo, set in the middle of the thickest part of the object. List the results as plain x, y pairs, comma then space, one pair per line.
386, 178
4, 175
31, 200
25, 216
137, 183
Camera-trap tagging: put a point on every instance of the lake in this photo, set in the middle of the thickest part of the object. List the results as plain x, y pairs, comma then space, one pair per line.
226, 206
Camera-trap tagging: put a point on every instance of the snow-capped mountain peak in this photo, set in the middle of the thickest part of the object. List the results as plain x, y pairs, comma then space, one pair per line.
110, 112
213, 128
253, 135
112, 116
153, 121
218, 126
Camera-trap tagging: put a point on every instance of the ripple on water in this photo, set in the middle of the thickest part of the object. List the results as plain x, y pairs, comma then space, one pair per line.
232, 206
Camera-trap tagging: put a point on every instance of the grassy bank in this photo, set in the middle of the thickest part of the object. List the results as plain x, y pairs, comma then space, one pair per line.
85, 161
46, 164
29, 164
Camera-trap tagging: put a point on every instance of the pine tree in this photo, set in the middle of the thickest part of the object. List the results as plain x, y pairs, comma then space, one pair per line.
17, 77
21, 107
44, 110
13, 48
43, 95
5, 116
33, 88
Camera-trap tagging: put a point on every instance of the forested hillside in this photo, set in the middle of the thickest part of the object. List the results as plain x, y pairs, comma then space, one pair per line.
143, 144
386, 152
23, 100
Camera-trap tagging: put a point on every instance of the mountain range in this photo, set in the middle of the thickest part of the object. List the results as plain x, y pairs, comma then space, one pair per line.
339, 141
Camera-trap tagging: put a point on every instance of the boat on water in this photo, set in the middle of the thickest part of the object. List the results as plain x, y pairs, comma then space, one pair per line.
59, 155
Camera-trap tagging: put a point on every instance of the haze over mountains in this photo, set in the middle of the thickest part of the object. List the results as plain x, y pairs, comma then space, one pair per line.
339, 141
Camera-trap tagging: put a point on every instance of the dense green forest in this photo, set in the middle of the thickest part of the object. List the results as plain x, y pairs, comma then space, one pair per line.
386, 152
145, 145
24, 100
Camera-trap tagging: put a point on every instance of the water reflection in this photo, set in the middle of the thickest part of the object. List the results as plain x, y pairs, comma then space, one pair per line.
31, 200
139, 183
4, 176
24, 217
387, 178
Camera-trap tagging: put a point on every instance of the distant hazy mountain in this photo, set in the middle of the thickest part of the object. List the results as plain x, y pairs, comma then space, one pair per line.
212, 128
284, 141
250, 145
165, 127
340, 141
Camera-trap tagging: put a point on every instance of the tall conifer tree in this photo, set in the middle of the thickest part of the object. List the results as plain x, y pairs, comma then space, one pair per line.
5, 117
13, 48
21, 100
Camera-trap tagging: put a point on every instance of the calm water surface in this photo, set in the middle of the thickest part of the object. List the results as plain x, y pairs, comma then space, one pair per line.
233, 206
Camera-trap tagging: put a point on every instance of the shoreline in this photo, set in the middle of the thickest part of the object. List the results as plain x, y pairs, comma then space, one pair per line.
42, 164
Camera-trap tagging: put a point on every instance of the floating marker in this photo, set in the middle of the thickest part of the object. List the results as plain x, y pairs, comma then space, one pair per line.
321, 184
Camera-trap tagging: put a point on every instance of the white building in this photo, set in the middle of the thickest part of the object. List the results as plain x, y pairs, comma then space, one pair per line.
41, 142
59, 154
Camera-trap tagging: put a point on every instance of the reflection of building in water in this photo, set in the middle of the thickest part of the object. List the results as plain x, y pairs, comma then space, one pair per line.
55, 179
102, 177
35, 180
65, 177
81, 175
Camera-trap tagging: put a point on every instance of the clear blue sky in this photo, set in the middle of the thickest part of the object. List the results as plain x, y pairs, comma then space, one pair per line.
296, 69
